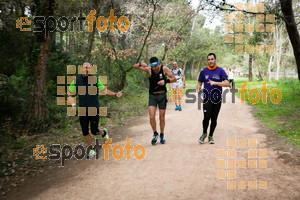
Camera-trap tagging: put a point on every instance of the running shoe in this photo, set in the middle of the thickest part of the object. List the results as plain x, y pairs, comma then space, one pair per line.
162, 139
202, 138
154, 140
91, 154
179, 108
211, 140
105, 136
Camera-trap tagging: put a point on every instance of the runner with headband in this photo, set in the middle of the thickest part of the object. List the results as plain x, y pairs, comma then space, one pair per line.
157, 93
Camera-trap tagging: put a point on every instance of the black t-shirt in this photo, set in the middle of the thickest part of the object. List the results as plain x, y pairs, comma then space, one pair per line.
88, 93
87, 100
154, 78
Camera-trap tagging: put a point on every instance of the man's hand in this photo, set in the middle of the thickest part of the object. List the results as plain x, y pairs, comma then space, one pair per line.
211, 82
143, 65
161, 82
184, 86
199, 91
198, 88
119, 94
225, 83
70, 101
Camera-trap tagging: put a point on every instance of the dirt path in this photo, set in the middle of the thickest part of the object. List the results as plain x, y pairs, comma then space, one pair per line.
180, 169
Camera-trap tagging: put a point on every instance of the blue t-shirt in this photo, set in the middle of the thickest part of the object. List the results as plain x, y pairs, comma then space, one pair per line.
217, 75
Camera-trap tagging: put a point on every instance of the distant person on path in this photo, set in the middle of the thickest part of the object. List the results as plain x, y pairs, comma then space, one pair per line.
157, 93
230, 77
176, 88
214, 78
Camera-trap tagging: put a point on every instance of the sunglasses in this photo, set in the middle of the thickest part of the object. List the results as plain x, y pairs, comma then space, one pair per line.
154, 64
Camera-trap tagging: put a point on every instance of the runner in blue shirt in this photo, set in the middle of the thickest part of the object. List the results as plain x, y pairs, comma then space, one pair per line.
214, 78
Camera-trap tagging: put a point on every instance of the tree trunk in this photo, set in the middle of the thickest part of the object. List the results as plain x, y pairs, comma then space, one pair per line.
254, 68
165, 52
291, 27
198, 66
40, 75
61, 36
278, 69
261, 74
193, 27
92, 34
76, 44
250, 67
192, 72
90, 41
147, 52
39, 97
278, 33
123, 81
67, 41
71, 42
198, 71
269, 68
22, 8
53, 37
184, 64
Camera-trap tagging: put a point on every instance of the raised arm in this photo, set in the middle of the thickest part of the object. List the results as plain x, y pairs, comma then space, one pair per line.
142, 67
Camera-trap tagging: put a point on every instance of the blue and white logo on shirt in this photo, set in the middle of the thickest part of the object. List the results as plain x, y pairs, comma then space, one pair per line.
206, 76
216, 76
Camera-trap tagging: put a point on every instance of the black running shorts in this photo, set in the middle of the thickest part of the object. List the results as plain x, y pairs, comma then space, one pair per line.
158, 99
86, 120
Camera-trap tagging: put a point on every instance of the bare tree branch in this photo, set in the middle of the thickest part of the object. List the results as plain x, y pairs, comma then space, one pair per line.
115, 53
233, 8
148, 33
